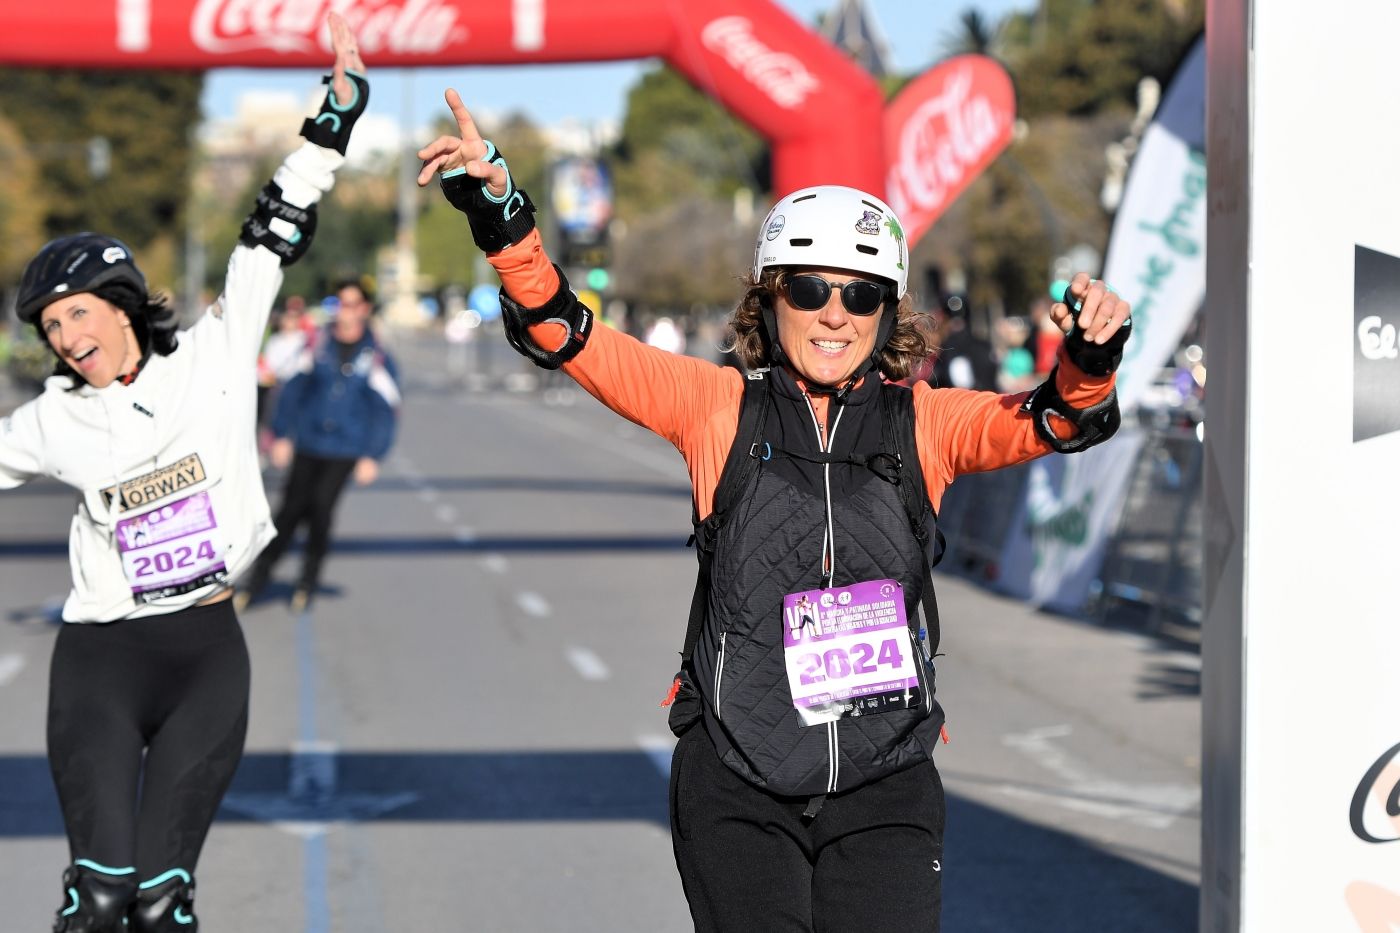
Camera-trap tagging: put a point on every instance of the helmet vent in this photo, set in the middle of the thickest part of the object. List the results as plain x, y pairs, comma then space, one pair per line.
874, 207
805, 197
866, 248
800, 241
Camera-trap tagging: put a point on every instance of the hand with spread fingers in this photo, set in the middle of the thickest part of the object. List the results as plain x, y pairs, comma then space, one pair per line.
476, 181
447, 154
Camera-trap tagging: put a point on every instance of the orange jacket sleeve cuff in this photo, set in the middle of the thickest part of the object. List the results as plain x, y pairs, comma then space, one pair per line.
528, 276
1077, 387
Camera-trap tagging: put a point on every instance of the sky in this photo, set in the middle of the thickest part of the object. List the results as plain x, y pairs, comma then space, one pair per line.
915, 30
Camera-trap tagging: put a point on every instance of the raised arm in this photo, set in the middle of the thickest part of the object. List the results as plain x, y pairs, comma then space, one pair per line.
282, 224
544, 321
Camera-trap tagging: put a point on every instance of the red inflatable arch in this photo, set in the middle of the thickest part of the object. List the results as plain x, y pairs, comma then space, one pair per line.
820, 111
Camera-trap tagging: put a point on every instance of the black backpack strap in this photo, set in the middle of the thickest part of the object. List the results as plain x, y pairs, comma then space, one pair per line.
897, 420
744, 455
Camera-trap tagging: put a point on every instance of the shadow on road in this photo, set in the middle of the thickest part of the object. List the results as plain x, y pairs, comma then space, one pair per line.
1000, 873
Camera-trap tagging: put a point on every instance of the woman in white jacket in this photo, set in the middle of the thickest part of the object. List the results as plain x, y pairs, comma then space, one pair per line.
148, 688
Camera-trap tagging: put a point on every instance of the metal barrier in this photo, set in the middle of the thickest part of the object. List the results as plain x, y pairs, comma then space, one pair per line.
1153, 561
1151, 570
975, 517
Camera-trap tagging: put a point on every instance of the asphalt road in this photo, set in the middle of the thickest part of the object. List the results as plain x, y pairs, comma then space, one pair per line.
463, 732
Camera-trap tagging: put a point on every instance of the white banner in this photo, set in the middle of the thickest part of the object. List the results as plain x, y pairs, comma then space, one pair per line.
1056, 543
1157, 261
1300, 714
1157, 252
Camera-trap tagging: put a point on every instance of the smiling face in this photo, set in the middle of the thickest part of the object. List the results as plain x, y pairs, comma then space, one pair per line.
92, 336
827, 345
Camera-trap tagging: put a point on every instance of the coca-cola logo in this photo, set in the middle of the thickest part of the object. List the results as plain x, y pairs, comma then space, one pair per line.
942, 130
399, 26
943, 141
1381, 782
779, 75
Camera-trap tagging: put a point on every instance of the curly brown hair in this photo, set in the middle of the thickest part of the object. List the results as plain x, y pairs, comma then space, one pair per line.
910, 343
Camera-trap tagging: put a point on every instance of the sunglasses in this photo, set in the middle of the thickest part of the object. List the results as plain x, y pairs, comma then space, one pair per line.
808, 292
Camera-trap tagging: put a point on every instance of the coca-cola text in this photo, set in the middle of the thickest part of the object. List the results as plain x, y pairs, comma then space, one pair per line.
400, 26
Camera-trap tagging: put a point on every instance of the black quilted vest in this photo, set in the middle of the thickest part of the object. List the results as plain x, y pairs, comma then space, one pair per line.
771, 545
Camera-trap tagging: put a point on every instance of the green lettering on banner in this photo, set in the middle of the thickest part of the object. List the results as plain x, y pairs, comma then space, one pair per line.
1068, 526
1178, 238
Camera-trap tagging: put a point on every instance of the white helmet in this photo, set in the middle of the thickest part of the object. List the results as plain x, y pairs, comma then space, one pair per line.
836, 226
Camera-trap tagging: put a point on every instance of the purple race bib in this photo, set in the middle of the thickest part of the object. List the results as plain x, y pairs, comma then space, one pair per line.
173, 549
848, 652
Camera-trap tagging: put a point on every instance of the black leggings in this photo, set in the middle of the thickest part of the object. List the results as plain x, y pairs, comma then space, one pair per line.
313, 487
174, 686
871, 861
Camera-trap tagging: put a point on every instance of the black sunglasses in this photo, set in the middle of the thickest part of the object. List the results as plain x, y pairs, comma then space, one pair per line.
808, 292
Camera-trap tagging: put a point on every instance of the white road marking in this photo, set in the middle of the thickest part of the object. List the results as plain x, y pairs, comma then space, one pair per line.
1156, 806
10, 666
533, 604
446, 514
658, 748
495, 563
588, 664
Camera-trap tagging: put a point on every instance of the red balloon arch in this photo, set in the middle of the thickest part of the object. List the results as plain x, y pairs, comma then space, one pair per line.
824, 116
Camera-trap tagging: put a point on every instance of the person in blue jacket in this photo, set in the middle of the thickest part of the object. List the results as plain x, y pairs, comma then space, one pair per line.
335, 418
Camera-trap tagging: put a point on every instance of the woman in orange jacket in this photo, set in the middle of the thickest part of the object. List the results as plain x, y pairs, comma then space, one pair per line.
804, 794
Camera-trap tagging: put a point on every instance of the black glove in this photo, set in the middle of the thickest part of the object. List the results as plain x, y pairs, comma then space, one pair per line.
1098, 359
496, 222
331, 127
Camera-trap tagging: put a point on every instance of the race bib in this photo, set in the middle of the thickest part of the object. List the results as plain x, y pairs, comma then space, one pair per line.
172, 550
848, 652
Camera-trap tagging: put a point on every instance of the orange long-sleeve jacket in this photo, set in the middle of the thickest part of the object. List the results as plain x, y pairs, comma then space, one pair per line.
694, 403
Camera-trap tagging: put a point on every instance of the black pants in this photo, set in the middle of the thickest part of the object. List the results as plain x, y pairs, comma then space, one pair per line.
174, 687
313, 488
869, 862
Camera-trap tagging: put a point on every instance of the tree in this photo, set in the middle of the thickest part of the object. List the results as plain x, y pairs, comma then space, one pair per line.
146, 119
975, 35
683, 254
678, 167
351, 226
1081, 57
677, 142
21, 205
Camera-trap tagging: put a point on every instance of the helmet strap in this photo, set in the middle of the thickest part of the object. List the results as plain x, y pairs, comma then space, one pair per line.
776, 356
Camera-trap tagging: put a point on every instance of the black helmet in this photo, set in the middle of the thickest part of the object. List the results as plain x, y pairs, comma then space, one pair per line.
83, 262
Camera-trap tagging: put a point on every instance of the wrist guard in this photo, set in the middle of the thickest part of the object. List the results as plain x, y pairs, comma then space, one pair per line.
331, 127
271, 212
496, 222
1093, 425
1098, 359
563, 309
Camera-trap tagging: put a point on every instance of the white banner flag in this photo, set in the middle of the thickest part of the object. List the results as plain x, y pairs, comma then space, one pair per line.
1157, 261
1071, 504
1157, 252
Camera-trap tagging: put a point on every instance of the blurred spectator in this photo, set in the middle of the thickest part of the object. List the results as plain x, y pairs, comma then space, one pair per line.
281, 354
1016, 370
964, 361
337, 417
